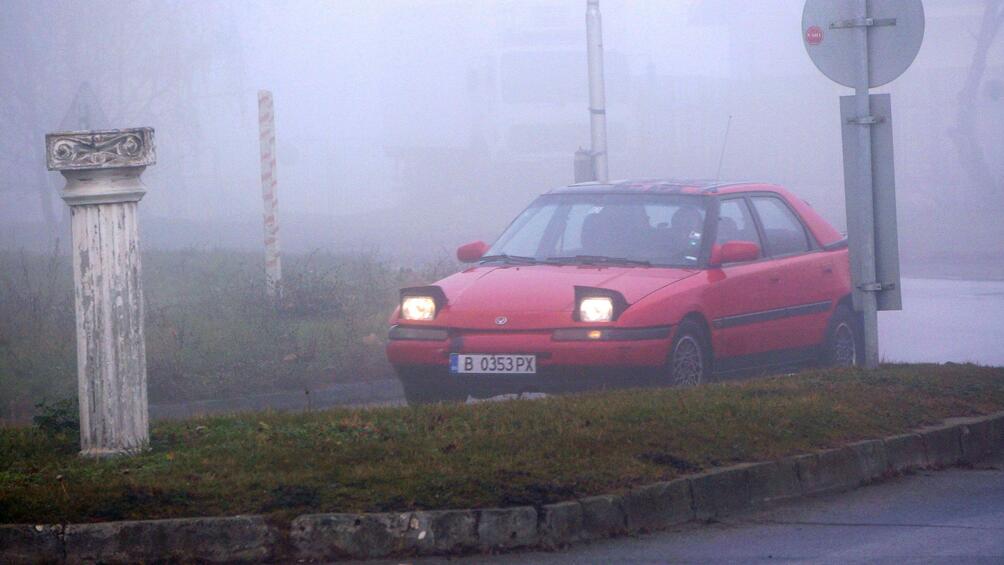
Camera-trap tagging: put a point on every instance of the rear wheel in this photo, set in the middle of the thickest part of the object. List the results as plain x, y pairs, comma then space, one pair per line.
690, 355
843, 345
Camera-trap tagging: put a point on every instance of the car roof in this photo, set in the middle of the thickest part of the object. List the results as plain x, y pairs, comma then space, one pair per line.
679, 186
824, 232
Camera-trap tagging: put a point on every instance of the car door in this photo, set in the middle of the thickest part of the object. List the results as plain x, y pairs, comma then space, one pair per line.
737, 292
798, 284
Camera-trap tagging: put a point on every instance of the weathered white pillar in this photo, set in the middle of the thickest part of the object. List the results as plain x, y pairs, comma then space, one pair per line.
103, 186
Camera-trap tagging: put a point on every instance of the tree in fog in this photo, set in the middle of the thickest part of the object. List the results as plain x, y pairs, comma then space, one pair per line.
21, 153
966, 133
107, 65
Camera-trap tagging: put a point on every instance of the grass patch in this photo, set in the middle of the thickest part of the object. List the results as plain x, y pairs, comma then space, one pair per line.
492, 454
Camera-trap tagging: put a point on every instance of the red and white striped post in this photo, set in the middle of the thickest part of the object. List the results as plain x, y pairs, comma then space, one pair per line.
266, 129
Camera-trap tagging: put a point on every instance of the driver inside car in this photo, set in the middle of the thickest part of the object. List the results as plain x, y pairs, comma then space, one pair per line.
615, 231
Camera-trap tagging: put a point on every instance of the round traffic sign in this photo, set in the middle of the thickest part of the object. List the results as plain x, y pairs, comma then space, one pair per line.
831, 31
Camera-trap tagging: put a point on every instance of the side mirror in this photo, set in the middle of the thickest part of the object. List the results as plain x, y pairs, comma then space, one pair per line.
471, 252
733, 252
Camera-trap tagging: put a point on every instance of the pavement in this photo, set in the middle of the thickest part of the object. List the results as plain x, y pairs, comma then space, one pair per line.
950, 516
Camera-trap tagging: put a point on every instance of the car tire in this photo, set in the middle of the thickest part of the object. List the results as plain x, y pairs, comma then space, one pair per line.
689, 362
428, 386
843, 346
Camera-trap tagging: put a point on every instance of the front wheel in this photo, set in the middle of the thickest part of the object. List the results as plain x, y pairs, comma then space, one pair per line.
843, 347
690, 355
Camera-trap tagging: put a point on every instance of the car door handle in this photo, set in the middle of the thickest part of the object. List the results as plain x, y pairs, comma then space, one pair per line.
775, 279
827, 270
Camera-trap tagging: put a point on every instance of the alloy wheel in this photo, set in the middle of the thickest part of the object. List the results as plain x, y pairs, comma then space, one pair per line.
844, 347
688, 362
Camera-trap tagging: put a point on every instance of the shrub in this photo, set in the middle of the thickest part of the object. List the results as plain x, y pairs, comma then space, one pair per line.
58, 417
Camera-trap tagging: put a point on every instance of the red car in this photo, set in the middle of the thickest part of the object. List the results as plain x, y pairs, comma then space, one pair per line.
670, 280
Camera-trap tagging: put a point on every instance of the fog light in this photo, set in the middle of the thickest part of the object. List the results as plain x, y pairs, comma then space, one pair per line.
595, 334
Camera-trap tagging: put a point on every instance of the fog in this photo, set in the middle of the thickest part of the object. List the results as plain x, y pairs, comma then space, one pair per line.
407, 128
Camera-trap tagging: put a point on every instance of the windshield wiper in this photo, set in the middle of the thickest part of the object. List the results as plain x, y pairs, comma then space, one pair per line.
599, 260
509, 258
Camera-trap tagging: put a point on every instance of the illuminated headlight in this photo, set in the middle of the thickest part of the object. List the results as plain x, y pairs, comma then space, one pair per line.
418, 308
596, 309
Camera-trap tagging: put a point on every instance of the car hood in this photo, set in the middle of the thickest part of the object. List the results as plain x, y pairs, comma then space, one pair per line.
540, 296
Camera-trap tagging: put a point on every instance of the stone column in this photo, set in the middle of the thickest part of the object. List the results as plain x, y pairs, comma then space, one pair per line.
103, 187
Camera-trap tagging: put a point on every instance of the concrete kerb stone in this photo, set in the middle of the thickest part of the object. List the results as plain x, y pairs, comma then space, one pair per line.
561, 524
905, 453
873, 459
28, 543
362, 536
603, 516
235, 539
507, 528
450, 531
997, 433
651, 507
831, 470
976, 439
318, 537
942, 445
720, 491
773, 481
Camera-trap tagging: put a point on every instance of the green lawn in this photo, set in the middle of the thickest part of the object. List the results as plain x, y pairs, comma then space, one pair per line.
492, 454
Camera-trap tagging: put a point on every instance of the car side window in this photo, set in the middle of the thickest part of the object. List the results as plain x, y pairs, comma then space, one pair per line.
784, 233
735, 223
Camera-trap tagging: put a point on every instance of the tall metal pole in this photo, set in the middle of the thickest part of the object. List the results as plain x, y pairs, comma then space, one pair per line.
269, 184
863, 191
597, 98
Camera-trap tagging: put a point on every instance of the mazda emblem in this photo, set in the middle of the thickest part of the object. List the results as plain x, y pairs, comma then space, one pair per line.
501, 321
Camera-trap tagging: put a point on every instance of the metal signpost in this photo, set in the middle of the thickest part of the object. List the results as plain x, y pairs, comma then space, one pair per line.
597, 97
864, 44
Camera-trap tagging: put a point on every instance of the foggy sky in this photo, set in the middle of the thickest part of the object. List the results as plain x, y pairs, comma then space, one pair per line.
451, 115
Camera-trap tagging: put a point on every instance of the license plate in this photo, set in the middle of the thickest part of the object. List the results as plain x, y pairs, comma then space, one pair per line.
513, 364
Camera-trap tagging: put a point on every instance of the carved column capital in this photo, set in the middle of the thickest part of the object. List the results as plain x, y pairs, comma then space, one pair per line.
102, 149
101, 167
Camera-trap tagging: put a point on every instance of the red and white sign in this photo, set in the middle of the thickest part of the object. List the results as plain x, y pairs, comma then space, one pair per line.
814, 35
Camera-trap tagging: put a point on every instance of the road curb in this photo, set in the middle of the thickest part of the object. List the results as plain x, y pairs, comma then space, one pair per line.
325, 537
905, 452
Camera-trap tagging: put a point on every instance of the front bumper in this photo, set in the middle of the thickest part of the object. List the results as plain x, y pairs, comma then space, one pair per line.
551, 354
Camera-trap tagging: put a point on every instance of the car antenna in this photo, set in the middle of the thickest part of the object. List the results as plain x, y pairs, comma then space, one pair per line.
721, 156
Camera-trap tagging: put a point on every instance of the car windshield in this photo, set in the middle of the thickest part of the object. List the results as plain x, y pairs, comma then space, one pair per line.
624, 229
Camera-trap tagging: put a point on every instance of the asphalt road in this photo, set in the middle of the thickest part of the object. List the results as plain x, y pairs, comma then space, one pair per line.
381, 392
952, 516
945, 320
